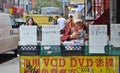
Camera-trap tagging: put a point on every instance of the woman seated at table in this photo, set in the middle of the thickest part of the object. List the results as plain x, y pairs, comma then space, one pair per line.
78, 32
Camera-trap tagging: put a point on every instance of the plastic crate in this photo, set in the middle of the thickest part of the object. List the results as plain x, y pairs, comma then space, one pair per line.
110, 50
86, 48
72, 50
49, 50
115, 51
28, 50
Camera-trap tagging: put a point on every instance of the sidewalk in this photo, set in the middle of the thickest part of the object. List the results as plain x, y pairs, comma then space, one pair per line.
11, 66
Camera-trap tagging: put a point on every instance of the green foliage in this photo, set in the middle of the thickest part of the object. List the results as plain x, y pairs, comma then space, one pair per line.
48, 3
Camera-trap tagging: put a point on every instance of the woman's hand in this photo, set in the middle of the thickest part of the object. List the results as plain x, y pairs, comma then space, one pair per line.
86, 37
74, 35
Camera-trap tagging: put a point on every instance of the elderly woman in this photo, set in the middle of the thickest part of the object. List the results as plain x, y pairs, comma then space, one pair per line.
77, 32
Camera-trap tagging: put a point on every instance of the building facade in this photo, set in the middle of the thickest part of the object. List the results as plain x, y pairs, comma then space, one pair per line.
5, 5
27, 5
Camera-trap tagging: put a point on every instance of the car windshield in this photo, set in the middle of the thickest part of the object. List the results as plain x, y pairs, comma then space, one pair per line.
13, 22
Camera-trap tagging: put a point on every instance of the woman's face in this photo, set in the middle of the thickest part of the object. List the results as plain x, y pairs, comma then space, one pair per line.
79, 25
30, 21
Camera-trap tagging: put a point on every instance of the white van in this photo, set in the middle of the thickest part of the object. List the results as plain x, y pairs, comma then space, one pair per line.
9, 36
72, 12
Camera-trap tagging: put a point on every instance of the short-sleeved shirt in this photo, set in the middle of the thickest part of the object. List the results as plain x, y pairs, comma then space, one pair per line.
61, 22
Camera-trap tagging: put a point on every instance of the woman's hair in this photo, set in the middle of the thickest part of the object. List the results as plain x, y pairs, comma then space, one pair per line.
57, 17
81, 24
32, 20
69, 23
71, 16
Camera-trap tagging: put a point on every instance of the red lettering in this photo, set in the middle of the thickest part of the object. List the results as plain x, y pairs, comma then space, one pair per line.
27, 62
35, 62
109, 62
99, 62
27, 71
73, 62
62, 62
81, 63
46, 61
53, 70
38, 62
63, 71
54, 62
89, 62
38, 71
45, 71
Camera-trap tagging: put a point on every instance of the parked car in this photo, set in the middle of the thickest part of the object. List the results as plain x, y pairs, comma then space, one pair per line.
20, 21
9, 35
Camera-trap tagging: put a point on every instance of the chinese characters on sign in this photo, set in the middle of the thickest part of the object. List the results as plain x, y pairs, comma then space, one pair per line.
97, 38
73, 64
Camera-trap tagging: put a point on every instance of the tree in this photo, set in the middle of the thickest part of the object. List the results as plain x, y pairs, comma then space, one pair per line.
48, 3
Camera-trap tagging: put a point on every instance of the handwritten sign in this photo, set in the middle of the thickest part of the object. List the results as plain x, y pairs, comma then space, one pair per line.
97, 38
28, 35
69, 64
50, 35
115, 35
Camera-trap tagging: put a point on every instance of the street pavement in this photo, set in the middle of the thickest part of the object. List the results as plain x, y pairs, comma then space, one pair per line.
11, 66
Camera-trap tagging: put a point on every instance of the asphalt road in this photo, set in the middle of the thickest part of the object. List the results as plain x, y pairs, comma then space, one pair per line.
9, 63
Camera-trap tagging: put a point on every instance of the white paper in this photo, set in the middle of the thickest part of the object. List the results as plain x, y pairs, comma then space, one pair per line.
68, 43
115, 35
28, 35
50, 35
97, 38
96, 49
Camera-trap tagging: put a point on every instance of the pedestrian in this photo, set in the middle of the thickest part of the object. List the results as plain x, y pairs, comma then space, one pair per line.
30, 22
61, 21
55, 20
50, 18
75, 33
